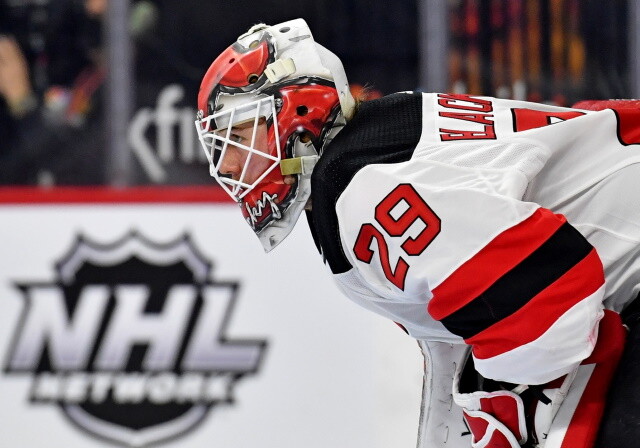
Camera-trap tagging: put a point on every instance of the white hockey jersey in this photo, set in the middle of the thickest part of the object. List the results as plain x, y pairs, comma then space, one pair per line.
439, 212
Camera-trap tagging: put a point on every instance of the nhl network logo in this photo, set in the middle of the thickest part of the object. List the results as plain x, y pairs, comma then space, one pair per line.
130, 339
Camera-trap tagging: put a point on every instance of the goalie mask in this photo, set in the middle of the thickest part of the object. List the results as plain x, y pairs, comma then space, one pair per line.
267, 106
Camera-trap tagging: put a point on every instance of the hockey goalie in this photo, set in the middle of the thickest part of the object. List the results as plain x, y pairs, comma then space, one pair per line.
502, 235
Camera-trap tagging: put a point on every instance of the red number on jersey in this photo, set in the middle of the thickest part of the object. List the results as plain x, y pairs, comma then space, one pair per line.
525, 119
367, 233
416, 209
628, 125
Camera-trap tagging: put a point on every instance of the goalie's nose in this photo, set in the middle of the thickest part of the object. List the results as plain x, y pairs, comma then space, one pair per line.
232, 163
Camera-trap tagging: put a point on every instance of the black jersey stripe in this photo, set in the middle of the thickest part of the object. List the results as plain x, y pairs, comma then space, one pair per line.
384, 130
556, 256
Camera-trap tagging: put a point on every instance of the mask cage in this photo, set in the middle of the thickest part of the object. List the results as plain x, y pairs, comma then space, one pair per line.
215, 135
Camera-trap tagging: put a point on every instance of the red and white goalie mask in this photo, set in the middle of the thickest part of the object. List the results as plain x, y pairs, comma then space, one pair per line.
266, 107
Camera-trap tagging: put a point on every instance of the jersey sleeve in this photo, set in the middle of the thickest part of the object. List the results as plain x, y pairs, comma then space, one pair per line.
517, 282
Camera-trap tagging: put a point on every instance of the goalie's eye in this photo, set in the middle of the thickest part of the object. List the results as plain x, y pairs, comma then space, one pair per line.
236, 138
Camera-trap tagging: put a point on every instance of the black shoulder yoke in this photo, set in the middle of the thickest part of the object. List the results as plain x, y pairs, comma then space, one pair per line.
385, 130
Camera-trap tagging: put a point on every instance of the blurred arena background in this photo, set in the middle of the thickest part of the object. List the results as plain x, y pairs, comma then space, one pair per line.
112, 85
103, 182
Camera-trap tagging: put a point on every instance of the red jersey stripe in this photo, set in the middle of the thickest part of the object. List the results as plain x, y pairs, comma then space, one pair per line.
496, 259
584, 279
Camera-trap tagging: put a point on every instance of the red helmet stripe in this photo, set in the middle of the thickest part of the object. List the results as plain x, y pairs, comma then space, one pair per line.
318, 102
233, 68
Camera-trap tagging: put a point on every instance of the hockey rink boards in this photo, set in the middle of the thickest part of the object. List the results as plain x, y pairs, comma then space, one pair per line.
153, 318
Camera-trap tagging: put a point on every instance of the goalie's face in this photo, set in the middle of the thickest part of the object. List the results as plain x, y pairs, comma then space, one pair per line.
244, 160
242, 147
281, 79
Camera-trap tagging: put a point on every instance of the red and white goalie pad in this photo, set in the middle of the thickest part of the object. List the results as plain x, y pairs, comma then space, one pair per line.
441, 422
501, 419
564, 413
496, 419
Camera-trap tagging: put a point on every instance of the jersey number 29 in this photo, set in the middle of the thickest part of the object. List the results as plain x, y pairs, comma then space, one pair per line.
416, 208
